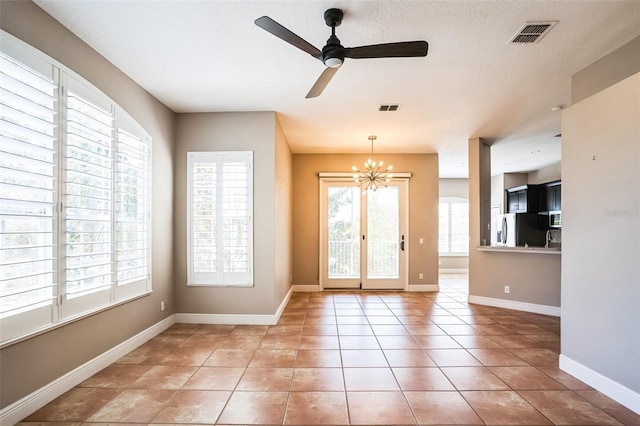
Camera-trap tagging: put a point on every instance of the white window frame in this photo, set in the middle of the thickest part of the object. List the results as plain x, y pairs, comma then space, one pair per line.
22, 323
449, 201
220, 277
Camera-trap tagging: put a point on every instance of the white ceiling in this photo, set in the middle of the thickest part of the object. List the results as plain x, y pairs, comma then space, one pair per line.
209, 56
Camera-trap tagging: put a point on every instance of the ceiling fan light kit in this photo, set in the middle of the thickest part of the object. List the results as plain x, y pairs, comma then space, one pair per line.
333, 53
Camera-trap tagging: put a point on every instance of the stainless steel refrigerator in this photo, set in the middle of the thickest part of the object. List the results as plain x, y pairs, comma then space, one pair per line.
519, 229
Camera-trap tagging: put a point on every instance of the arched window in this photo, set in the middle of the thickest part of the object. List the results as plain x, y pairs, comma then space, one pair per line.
453, 226
75, 196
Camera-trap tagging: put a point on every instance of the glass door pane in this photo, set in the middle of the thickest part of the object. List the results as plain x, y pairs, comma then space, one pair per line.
344, 232
383, 233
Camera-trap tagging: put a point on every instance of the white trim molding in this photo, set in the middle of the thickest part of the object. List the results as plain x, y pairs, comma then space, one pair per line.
514, 304
240, 319
20, 409
612, 389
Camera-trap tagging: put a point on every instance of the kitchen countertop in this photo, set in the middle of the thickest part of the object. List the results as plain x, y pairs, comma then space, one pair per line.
532, 250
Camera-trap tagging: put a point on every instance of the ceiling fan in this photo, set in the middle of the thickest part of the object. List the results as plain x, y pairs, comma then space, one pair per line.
333, 53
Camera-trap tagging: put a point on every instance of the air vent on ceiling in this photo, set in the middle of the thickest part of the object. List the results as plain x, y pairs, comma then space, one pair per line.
532, 32
389, 107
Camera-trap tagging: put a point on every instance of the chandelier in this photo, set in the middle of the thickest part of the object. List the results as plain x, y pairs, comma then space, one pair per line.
374, 174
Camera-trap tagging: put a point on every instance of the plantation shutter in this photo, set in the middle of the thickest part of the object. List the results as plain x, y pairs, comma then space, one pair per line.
220, 196
75, 196
27, 193
88, 200
133, 208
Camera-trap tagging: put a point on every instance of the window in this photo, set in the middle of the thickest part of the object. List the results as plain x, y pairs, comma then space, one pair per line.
454, 226
220, 218
74, 196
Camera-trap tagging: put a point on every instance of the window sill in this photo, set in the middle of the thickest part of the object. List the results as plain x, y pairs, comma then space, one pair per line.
246, 285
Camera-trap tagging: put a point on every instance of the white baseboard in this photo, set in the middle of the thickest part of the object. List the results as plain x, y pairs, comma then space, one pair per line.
20, 409
306, 288
514, 304
453, 270
243, 319
605, 385
423, 287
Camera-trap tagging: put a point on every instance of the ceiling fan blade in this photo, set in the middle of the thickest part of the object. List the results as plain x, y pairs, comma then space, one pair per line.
321, 83
283, 33
404, 49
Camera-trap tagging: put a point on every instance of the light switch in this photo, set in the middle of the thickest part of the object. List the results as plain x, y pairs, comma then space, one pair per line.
421, 240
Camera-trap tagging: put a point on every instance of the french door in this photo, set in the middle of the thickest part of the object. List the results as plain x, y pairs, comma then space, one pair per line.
363, 236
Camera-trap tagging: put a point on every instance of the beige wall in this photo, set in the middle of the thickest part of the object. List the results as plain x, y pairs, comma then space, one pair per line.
547, 174
423, 211
452, 264
497, 192
283, 215
236, 131
454, 188
533, 278
33, 363
601, 235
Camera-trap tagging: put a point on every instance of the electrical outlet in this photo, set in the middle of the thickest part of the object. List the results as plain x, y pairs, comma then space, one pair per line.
507, 289
421, 276
162, 305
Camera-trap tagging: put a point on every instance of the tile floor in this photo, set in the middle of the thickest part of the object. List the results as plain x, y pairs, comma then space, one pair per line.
340, 358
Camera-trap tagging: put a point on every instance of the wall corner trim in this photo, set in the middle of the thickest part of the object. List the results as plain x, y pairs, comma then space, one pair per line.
611, 388
20, 409
239, 319
514, 304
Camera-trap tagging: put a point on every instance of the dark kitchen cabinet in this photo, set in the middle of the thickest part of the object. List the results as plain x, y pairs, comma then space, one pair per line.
523, 199
553, 196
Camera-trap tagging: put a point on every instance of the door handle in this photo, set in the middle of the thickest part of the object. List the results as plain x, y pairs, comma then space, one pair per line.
402, 244
504, 230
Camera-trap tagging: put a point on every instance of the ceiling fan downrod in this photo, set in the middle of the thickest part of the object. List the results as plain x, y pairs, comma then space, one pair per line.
333, 51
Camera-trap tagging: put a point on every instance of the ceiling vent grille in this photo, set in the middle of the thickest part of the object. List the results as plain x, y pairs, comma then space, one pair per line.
389, 107
532, 32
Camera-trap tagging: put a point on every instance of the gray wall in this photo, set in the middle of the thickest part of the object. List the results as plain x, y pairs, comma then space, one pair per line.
237, 131
33, 363
618, 65
601, 225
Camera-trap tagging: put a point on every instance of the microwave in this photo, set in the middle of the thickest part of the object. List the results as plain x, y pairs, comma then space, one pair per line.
555, 219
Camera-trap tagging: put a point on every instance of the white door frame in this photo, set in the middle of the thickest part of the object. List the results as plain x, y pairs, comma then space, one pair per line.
327, 178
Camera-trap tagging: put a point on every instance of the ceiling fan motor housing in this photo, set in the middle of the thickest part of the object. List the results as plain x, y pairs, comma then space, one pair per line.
333, 51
